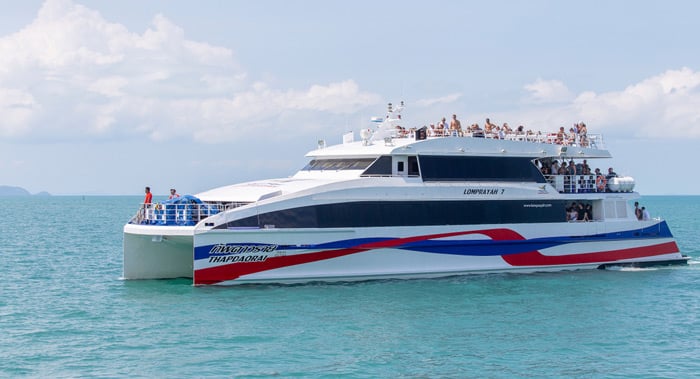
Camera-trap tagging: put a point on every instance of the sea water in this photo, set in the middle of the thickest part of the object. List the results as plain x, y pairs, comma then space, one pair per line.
64, 312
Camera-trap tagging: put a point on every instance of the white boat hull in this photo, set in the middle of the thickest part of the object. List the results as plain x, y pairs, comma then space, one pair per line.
151, 254
227, 257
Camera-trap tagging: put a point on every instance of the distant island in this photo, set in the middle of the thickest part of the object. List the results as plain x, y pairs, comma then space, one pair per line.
19, 191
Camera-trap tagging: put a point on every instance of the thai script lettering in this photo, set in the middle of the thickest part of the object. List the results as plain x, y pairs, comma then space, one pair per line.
225, 249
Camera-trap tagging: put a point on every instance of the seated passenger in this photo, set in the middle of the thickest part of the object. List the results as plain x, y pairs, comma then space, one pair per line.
561, 135
588, 212
477, 131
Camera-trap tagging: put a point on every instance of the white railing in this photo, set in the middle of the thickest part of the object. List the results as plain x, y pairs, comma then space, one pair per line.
178, 214
578, 183
594, 141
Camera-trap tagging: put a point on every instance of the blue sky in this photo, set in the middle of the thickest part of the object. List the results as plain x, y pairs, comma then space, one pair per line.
102, 97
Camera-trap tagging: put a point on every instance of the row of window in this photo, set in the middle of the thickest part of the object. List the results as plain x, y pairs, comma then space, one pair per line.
409, 213
441, 168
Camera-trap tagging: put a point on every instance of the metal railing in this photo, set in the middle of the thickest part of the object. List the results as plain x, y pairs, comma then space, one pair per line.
594, 141
578, 183
178, 214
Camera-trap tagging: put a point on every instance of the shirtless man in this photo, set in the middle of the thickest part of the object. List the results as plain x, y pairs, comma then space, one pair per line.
455, 124
488, 126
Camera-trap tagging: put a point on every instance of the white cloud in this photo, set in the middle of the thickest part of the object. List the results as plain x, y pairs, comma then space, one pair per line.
70, 73
451, 98
548, 91
666, 105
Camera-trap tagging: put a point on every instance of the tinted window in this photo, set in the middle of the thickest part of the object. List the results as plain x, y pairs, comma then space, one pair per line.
444, 168
338, 164
381, 166
410, 213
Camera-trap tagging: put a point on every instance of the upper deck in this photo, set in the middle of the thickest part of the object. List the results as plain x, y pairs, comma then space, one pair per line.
534, 146
389, 137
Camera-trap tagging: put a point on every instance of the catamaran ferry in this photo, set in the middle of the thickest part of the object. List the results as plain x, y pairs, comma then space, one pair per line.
405, 204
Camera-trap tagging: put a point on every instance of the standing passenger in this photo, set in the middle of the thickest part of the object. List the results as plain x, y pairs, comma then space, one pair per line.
637, 211
149, 196
455, 125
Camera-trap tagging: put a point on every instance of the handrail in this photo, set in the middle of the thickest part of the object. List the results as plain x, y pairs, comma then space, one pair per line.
594, 141
589, 183
179, 214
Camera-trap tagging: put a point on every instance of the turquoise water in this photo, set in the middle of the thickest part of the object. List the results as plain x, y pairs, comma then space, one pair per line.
64, 312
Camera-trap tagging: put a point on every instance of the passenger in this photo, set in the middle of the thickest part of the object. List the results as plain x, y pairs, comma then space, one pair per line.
561, 135
442, 126
645, 214
455, 125
520, 130
588, 210
149, 196
637, 211
582, 131
147, 215
563, 170
555, 167
572, 214
502, 133
173, 194
583, 140
611, 174
477, 131
571, 138
488, 126
581, 212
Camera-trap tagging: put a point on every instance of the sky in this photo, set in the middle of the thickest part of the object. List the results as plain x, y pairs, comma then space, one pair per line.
106, 97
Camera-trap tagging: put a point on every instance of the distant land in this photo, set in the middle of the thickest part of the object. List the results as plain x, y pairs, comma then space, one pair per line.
19, 191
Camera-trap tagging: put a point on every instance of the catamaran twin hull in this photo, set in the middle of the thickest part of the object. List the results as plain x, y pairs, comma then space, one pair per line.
407, 204
225, 257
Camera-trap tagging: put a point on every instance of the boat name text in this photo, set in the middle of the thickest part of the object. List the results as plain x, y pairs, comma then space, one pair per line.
484, 191
241, 249
237, 258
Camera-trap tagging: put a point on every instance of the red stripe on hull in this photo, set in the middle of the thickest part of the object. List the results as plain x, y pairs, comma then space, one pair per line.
213, 275
535, 258
232, 271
